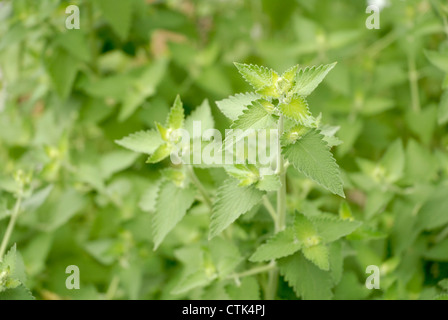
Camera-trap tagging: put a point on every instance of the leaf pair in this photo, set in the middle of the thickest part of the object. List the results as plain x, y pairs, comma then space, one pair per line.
294, 81
310, 235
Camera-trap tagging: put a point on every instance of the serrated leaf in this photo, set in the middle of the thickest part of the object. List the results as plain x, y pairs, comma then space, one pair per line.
192, 281
332, 229
18, 293
305, 231
290, 74
176, 116
254, 117
308, 281
234, 106
329, 133
231, 202
203, 114
269, 183
118, 15
246, 174
141, 141
319, 255
296, 108
278, 246
172, 204
161, 153
149, 197
311, 156
13, 264
308, 79
257, 76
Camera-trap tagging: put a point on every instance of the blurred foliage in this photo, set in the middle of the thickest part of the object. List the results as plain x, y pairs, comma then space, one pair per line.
67, 95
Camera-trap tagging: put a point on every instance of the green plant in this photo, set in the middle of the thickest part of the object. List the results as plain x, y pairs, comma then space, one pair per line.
298, 242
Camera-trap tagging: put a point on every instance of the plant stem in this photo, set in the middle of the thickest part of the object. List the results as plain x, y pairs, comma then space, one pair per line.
113, 287
252, 271
92, 36
270, 208
281, 193
11, 225
271, 290
200, 187
413, 82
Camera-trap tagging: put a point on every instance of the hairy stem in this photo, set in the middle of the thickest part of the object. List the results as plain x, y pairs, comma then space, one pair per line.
281, 193
11, 224
200, 187
271, 290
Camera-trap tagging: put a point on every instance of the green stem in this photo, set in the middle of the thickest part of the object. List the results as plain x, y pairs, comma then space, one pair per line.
413, 82
271, 290
281, 193
113, 287
252, 271
270, 209
10, 227
92, 36
200, 187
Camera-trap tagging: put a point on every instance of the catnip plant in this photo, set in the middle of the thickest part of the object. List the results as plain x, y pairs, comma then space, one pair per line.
301, 247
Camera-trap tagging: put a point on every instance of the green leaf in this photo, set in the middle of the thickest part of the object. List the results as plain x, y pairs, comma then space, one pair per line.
308, 79
248, 289
62, 68
296, 108
176, 116
311, 156
442, 114
141, 141
162, 152
13, 265
254, 117
149, 197
308, 281
234, 106
203, 114
438, 59
76, 44
278, 246
118, 14
142, 87
18, 293
332, 229
393, 161
433, 213
305, 231
231, 202
225, 256
350, 288
258, 77
319, 255
269, 183
439, 252
247, 174
172, 204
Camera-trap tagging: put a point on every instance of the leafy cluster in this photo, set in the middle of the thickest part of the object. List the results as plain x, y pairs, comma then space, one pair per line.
89, 147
